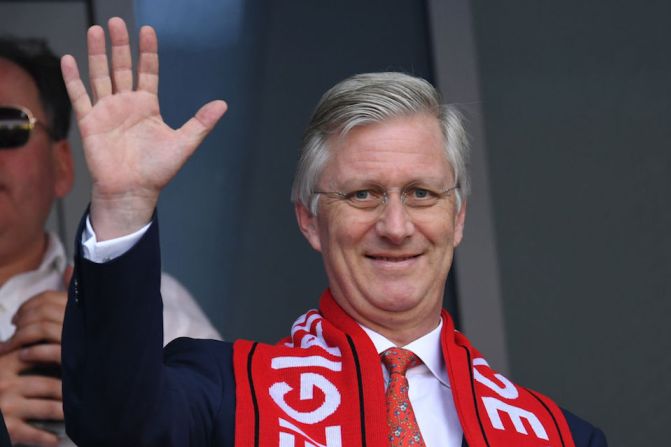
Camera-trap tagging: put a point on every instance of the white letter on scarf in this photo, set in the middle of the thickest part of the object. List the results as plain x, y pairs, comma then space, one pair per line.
493, 406
308, 382
507, 391
333, 438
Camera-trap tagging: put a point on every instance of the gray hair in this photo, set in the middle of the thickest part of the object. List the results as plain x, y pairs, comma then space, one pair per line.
372, 98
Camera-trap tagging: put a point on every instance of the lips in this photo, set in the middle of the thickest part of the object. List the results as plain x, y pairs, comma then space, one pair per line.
395, 258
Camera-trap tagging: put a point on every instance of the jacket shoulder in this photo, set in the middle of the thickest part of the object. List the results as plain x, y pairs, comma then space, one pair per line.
584, 433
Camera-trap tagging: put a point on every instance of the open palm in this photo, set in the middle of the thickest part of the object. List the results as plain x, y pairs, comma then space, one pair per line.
130, 152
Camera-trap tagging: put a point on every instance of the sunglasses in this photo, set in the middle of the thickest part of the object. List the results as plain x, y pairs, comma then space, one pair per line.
16, 124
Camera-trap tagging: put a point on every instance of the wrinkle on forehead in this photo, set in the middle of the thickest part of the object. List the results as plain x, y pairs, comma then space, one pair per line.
395, 152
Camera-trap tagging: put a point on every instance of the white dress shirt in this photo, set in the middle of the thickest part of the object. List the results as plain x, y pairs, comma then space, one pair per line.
429, 385
19, 288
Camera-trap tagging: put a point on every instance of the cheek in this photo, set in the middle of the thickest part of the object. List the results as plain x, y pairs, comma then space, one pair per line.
33, 180
40, 182
350, 234
441, 239
343, 236
439, 233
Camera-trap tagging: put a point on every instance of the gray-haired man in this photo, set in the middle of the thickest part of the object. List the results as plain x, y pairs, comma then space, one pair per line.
380, 192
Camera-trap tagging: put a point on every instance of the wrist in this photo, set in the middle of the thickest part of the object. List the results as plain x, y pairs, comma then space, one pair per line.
114, 217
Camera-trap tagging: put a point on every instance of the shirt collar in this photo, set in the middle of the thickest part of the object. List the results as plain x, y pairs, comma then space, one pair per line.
54, 258
427, 348
19, 288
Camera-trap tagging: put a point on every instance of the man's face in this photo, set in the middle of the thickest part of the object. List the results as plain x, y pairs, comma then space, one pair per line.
31, 176
387, 267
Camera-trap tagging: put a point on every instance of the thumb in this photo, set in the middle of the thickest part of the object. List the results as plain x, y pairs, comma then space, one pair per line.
67, 275
197, 128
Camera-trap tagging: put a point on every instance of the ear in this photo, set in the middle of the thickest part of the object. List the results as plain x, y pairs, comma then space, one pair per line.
459, 221
308, 225
64, 173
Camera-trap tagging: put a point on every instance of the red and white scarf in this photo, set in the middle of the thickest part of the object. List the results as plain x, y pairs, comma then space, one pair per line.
323, 387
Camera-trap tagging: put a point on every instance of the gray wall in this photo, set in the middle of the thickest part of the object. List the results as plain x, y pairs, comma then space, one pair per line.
576, 99
477, 275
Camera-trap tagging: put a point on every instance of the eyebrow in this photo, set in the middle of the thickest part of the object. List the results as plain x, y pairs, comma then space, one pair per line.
354, 184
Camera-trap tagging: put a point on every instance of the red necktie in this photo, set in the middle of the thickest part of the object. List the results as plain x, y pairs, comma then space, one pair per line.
403, 428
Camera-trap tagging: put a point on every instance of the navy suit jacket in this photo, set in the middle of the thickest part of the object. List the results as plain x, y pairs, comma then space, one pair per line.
4, 436
120, 387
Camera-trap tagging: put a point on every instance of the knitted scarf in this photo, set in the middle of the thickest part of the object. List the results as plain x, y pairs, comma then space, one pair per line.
323, 387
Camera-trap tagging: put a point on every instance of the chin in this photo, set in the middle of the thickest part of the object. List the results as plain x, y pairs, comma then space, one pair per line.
397, 299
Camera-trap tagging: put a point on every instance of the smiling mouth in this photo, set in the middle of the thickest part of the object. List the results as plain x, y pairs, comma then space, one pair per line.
392, 258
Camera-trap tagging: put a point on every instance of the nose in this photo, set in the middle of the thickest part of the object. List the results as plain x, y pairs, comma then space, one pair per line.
394, 222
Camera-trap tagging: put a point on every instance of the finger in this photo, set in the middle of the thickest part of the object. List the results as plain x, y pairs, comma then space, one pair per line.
41, 353
35, 333
147, 69
67, 275
197, 128
101, 85
122, 64
40, 409
6, 347
79, 98
44, 388
10, 363
48, 306
48, 312
48, 296
22, 433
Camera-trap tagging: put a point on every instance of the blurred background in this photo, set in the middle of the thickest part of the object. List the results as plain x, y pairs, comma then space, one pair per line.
563, 279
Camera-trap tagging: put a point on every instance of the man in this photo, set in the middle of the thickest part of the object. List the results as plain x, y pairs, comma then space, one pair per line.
36, 168
380, 191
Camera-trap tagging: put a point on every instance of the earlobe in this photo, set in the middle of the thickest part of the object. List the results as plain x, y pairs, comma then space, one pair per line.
63, 168
308, 225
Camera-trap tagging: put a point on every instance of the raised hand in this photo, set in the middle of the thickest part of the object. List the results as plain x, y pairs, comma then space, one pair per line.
130, 152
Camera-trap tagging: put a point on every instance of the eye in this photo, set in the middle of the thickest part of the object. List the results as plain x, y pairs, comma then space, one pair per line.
363, 194
364, 198
420, 197
419, 193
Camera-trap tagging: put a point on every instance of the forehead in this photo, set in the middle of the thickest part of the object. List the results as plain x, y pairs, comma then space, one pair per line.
393, 152
17, 87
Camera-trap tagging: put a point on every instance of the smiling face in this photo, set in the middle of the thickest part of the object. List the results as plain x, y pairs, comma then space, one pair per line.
31, 176
387, 267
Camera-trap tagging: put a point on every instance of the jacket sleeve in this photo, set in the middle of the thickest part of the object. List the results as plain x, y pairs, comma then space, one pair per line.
119, 386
